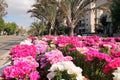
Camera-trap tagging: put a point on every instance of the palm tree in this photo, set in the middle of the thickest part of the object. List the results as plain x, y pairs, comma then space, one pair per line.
3, 5
46, 11
38, 27
73, 9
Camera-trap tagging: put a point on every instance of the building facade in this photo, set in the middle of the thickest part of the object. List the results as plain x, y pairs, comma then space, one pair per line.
90, 21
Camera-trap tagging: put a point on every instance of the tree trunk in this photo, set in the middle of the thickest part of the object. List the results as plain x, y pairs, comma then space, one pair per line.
55, 32
71, 26
50, 31
49, 28
71, 31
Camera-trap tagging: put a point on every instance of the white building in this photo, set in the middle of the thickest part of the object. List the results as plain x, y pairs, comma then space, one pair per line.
90, 21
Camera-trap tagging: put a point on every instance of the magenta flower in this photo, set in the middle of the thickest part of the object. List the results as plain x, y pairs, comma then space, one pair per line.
112, 65
115, 54
63, 41
34, 75
109, 40
91, 54
11, 72
21, 67
32, 38
23, 51
56, 56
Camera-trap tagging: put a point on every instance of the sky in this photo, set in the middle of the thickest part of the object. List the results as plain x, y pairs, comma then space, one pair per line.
17, 12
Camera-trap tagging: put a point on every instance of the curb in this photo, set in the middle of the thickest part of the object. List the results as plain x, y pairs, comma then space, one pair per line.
4, 58
4, 61
3, 66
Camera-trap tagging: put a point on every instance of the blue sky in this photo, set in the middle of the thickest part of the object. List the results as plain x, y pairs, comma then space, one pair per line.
17, 12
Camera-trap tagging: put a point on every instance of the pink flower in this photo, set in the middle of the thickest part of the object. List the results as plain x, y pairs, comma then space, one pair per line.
23, 51
115, 53
109, 40
29, 60
117, 39
11, 72
63, 40
74, 40
21, 67
32, 38
56, 56
91, 54
41, 46
34, 75
112, 65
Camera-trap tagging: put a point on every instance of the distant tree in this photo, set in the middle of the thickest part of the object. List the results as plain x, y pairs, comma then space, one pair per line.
37, 28
21, 30
115, 11
31, 31
1, 25
10, 28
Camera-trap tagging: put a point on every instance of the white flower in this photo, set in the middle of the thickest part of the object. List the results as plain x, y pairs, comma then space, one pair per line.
79, 36
107, 46
82, 50
57, 66
53, 45
116, 74
75, 70
70, 67
51, 75
28, 42
80, 77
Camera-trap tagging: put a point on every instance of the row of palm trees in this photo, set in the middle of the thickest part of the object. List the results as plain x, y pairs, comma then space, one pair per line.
48, 11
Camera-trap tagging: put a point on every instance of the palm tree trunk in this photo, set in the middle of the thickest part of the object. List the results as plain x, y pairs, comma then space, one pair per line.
50, 31
71, 30
70, 25
55, 32
49, 28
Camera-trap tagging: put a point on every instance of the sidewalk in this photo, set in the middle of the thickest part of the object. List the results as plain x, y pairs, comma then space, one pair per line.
4, 58
4, 61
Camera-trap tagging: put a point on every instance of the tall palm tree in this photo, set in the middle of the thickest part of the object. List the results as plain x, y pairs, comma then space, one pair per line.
73, 9
3, 5
44, 10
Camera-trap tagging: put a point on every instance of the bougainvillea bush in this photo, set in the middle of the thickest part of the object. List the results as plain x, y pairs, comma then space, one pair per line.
65, 58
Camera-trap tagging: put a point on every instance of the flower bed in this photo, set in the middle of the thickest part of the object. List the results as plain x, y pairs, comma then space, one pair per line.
65, 58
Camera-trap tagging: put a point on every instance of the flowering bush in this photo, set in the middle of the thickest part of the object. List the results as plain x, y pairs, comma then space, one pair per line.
56, 56
69, 67
22, 68
116, 74
23, 51
65, 58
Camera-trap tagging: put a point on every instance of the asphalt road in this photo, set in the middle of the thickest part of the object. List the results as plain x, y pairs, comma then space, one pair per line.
6, 43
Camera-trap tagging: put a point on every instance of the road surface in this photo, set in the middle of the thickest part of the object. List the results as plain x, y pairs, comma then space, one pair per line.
6, 43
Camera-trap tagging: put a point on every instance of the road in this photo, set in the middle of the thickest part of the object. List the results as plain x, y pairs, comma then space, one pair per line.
6, 43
